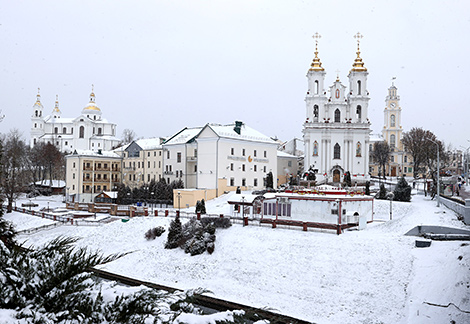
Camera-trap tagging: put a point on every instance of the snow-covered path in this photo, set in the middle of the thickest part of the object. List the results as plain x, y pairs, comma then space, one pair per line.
370, 276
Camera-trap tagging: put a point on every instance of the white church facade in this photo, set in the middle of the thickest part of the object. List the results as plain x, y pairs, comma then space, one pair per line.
336, 130
89, 131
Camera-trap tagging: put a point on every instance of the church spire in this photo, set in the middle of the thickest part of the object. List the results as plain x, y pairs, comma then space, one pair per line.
56, 107
316, 64
92, 94
358, 65
38, 97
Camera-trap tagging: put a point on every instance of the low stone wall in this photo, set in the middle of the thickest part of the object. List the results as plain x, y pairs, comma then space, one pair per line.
461, 209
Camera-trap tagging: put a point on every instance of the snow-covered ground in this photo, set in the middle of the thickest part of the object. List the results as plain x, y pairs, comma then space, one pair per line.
371, 276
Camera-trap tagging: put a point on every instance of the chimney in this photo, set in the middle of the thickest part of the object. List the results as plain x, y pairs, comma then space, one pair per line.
238, 127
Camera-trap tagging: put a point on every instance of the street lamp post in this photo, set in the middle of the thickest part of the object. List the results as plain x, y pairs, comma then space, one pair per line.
390, 196
153, 201
243, 210
179, 199
438, 167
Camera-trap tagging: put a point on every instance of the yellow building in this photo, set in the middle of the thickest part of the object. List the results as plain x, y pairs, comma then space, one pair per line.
89, 173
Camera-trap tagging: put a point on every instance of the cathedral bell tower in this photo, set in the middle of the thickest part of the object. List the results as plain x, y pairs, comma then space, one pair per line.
392, 131
358, 93
37, 121
316, 96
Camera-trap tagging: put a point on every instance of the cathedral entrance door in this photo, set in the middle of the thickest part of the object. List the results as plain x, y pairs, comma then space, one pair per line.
336, 176
393, 172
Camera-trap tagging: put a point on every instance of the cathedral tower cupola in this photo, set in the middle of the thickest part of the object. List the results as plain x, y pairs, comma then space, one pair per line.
91, 110
38, 106
358, 65
56, 111
316, 64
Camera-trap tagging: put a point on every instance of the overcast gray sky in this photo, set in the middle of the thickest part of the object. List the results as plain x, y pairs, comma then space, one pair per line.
159, 66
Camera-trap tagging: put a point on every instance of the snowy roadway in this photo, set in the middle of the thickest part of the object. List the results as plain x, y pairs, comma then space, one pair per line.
370, 276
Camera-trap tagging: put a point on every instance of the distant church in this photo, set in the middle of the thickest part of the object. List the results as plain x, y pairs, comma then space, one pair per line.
336, 129
88, 131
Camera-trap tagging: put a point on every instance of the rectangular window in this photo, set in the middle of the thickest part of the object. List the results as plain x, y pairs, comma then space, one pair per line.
232, 151
289, 163
148, 164
265, 154
148, 154
243, 182
406, 159
159, 153
232, 182
105, 188
392, 159
168, 155
264, 169
159, 164
243, 152
254, 153
231, 166
243, 167
178, 157
130, 177
148, 177
73, 175
155, 153
73, 187
195, 152
255, 168
74, 164
195, 168
255, 182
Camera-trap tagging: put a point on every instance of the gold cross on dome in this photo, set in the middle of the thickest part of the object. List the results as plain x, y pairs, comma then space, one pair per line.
358, 37
316, 37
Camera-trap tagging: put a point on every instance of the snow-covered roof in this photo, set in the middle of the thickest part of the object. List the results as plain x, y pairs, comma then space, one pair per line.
242, 199
47, 183
109, 154
105, 137
149, 143
285, 155
246, 133
111, 194
183, 136
375, 138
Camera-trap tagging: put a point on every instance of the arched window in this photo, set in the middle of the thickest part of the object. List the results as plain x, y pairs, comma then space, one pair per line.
315, 148
35, 125
337, 152
358, 149
359, 113
82, 132
392, 141
316, 87
392, 121
36, 113
99, 130
358, 87
315, 113
56, 130
64, 130
34, 141
337, 116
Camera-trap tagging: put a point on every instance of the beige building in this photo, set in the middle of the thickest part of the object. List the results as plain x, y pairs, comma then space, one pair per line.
142, 161
89, 173
400, 163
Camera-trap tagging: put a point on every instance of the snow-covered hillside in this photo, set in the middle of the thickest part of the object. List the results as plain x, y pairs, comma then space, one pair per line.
370, 276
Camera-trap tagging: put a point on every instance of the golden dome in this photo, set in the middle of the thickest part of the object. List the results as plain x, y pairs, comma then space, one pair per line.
92, 105
316, 64
56, 107
358, 65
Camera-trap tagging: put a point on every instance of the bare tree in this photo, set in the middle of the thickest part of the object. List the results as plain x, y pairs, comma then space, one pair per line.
381, 155
417, 141
128, 135
14, 172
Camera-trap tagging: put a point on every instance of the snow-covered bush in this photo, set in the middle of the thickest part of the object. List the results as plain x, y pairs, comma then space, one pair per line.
7, 232
216, 222
152, 233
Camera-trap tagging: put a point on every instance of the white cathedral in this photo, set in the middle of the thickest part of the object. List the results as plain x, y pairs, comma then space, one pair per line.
336, 130
88, 131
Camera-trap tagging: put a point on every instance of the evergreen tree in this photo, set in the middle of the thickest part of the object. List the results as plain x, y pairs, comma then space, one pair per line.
402, 190
174, 234
382, 192
269, 181
347, 180
367, 188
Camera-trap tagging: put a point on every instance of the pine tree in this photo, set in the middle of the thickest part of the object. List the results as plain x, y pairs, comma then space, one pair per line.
367, 191
402, 190
174, 234
382, 192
